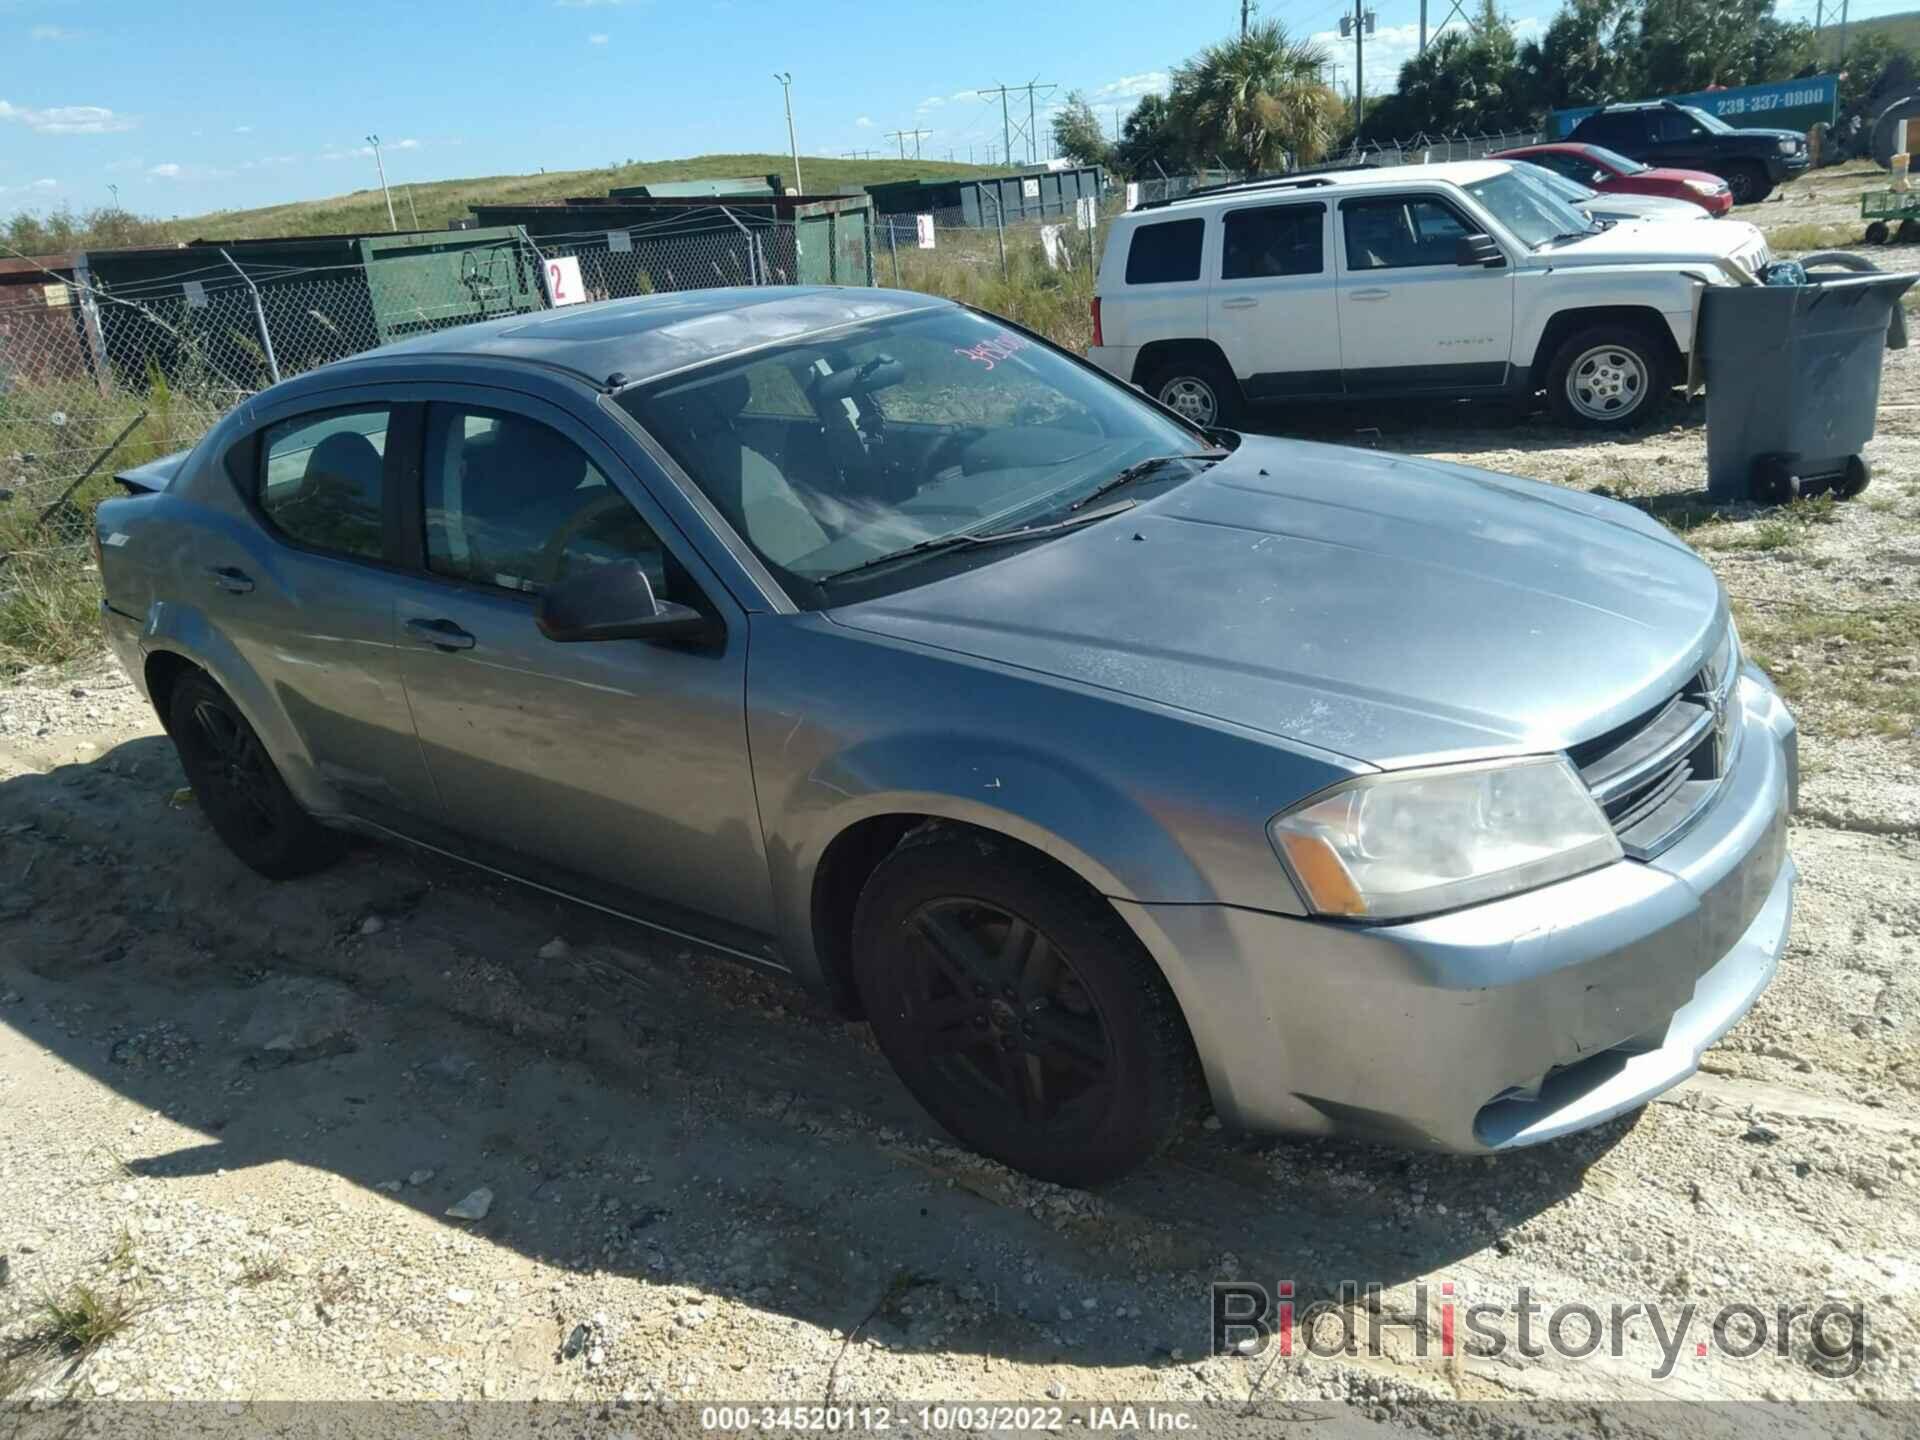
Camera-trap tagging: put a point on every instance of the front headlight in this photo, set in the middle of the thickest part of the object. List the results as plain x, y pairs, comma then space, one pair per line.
1389, 847
1704, 187
1787, 147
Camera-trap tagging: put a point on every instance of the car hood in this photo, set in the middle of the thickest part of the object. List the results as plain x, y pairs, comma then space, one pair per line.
1391, 610
1678, 242
1672, 175
1615, 205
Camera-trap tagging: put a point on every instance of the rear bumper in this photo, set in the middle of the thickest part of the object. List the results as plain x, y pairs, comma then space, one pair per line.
123, 638
1116, 360
1504, 1024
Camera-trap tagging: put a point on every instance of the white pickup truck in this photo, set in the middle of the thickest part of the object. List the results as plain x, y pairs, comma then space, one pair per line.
1457, 279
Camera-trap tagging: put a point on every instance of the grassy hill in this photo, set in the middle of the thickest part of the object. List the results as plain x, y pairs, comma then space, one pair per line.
438, 201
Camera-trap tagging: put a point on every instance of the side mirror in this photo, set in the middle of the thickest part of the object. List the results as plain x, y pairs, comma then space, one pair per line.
616, 602
1478, 250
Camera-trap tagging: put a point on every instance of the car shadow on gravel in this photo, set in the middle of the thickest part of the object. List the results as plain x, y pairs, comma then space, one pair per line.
637, 1109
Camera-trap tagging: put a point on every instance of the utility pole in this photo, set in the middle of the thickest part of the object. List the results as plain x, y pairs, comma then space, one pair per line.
905, 135
374, 141
114, 190
1357, 25
1843, 34
1008, 129
1246, 8
785, 77
1423, 27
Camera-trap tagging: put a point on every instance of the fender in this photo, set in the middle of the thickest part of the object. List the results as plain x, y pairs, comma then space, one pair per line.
184, 630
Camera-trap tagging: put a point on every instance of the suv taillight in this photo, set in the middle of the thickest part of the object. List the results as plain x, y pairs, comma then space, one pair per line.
1096, 321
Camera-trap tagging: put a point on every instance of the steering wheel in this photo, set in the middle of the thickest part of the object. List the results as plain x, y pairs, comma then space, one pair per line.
588, 515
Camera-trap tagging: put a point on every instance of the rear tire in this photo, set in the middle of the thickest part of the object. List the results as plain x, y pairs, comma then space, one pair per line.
1020, 1010
1200, 390
1877, 234
1607, 377
239, 789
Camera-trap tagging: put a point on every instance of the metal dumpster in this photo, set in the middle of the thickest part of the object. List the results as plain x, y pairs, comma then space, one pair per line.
1793, 382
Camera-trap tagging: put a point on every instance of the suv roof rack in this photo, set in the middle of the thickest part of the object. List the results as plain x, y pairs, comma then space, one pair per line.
1266, 182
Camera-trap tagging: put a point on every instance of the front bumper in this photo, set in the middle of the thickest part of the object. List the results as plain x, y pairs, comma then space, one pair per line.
1503, 1024
1785, 167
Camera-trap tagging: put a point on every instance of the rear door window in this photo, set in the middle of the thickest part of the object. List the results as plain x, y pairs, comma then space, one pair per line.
1166, 252
1273, 240
323, 480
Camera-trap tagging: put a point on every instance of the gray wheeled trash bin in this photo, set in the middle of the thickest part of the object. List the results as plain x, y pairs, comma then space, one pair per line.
1793, 382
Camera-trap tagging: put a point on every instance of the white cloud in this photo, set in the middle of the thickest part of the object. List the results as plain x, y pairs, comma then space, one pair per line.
596, 39
365, 152
173, 170
67, 119
932, 102
243, 129
57, 32
168, 170
266, 162
40, 186
1134, 87
865, 122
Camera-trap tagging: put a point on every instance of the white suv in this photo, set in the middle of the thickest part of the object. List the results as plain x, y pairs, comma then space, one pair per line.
1422, 279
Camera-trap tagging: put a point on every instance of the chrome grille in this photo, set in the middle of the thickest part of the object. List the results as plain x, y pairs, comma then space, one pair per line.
1654, 774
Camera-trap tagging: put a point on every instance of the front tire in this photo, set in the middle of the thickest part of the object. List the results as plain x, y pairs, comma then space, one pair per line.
1020, 1011
1201, 391
239, 789
1607, 377
1748, 183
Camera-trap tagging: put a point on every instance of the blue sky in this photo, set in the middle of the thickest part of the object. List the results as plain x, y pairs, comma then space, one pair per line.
222, 104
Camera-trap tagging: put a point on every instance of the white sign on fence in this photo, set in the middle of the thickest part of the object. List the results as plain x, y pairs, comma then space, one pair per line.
1133, 194
196, 293
1086, 213
1030, 189
619, 242
563, 280
923, 229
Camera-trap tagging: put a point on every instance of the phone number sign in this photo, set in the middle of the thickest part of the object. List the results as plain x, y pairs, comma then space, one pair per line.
1778, 105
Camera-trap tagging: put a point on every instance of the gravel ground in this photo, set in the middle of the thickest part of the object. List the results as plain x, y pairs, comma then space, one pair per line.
243, 1111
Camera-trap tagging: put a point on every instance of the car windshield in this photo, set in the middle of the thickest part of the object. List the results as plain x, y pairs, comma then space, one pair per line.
1571, 191
1614, 160
905, 438
1535, 214
1712, 122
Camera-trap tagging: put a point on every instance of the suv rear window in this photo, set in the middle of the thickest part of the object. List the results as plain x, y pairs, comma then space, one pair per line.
1165, 252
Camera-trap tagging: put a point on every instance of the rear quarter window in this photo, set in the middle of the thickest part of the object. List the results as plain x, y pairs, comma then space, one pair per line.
1166, 252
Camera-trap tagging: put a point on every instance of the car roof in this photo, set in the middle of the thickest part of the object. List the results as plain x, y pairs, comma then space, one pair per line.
651, 335
1457, 172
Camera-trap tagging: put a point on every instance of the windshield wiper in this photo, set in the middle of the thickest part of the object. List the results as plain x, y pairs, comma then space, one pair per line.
962, 539
1138, 469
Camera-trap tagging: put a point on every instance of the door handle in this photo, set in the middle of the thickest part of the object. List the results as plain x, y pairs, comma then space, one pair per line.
230, 579
1368, 294
441, 634
1241, 302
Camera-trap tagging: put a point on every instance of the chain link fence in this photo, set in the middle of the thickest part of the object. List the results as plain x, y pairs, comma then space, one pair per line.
97, 378
1425, 149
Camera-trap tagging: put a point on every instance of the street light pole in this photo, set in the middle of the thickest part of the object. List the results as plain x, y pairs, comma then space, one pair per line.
785, 77
374, 141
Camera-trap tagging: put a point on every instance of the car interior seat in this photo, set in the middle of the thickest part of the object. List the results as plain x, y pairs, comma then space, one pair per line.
747, 487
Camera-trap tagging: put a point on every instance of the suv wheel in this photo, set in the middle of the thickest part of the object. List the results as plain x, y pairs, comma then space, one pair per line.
239, 790
1020, 1011
1606, 377
1200, 391
1748, 183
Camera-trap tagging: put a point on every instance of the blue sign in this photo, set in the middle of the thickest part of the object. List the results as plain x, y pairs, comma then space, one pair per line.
1777, 105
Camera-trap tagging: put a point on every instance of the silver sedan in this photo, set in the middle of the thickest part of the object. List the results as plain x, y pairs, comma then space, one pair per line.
1102, 763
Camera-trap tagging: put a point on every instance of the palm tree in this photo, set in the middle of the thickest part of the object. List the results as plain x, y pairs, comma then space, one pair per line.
1256, 100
